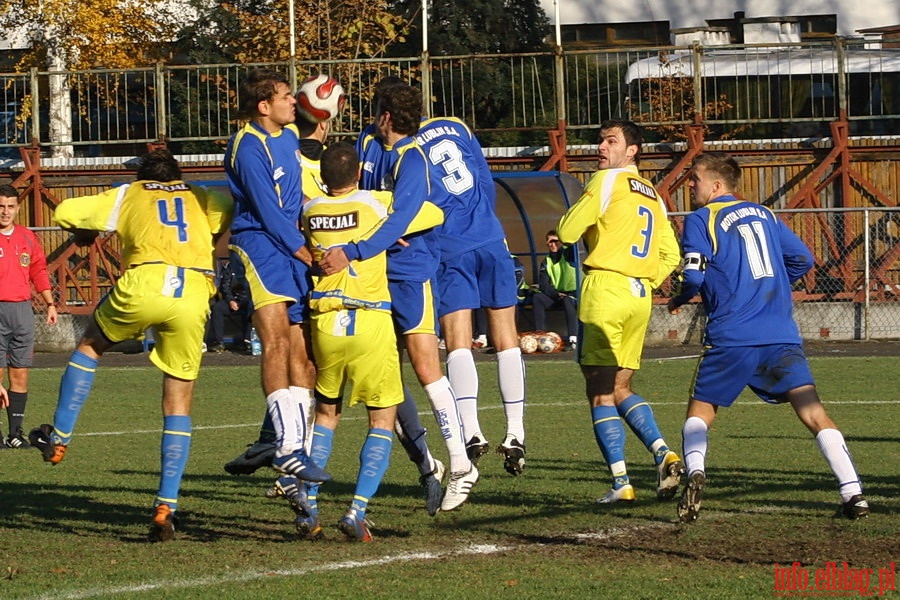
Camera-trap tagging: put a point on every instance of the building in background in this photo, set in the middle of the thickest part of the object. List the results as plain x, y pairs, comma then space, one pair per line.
593, 23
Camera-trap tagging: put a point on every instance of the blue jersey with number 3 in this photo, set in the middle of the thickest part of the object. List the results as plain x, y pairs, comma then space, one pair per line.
742, 259
462, 186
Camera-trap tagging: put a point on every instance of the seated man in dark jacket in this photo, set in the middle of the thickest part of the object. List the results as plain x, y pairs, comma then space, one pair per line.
233, 303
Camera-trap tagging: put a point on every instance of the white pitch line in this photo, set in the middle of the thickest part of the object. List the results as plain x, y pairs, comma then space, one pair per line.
482, 549
497, 407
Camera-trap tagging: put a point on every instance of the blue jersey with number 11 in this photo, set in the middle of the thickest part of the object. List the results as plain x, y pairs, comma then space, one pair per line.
742, 259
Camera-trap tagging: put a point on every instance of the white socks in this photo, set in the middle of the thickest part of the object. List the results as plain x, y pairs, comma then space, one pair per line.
694, 435
834, 449
464, 381
511, 375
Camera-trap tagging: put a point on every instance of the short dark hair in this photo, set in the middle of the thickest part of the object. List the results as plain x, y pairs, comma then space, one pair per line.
630, 131
339, 165
158, 165
404, 102
258, 85
8, 191
722, 165
552, 232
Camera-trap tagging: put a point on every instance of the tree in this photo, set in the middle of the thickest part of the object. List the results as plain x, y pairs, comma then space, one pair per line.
256, 31
483, 27
82, 34
475, 27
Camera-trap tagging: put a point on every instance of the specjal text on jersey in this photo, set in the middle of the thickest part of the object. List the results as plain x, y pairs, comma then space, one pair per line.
334, 222
431, 133
642, 188
744, 211
157, 186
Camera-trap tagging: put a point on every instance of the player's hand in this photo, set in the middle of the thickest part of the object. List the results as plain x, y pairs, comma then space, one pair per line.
52, 315
84, 237
673, 310
233, 305
403, 243
304, 256
4, 399
333, 261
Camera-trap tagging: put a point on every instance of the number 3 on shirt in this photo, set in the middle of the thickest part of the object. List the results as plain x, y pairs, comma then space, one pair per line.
177, 211
640, 249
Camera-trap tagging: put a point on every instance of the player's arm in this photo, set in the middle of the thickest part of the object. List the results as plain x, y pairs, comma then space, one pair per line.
669, 253
219, 209
410, 192
583, 213
798, 259
254, 170
85, 216
428, 217
697, 249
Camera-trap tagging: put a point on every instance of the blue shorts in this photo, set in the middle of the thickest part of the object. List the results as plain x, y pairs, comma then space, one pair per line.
770, 371
485, 276
413, 306
272, 275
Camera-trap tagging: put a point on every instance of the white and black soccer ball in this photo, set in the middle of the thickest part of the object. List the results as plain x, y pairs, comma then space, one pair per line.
528, 343
550, 341
320, 98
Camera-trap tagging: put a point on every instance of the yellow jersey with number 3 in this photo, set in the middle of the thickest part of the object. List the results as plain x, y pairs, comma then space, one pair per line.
625, 225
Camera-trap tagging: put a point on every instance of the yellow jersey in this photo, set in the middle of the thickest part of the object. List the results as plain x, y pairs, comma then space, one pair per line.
337, 220
625, 226
170, 223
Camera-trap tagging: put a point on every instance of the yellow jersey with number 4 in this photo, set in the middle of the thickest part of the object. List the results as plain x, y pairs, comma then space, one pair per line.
172, 223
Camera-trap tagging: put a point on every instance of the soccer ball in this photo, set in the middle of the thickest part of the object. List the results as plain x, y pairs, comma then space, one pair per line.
550, 341
528, 343
320, 98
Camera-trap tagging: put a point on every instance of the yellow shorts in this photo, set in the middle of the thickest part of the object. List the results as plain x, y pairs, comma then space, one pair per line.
615, 311
358, 347
172, 300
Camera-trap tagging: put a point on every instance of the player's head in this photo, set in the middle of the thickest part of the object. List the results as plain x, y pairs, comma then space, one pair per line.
713, 174
619, 144
158, 165
9, 206
383, 84
339, 166
399, 109
265, 92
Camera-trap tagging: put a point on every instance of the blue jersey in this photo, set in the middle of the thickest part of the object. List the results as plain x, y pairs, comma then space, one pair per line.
742, 259
263, 172
403, 170
462, 186
376, 164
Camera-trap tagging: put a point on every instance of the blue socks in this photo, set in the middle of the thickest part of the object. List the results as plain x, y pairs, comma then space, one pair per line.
176, 445
74, 387
373, 462
610, 435
637, 413
412, 433
322, 443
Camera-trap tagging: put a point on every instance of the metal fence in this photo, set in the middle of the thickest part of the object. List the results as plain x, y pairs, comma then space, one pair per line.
851, 294
737, 91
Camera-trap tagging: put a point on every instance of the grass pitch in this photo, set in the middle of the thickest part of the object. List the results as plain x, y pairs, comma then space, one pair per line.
78, 530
